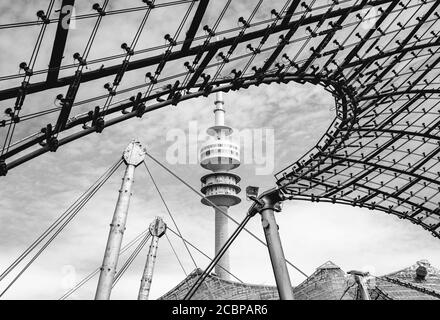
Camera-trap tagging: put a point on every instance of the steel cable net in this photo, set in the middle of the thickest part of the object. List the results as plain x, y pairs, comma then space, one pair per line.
379, 59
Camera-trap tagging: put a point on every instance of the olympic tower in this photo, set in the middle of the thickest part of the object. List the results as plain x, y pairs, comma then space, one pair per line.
220, 187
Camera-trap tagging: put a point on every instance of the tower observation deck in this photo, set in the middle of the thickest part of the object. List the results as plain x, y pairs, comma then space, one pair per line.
220, 187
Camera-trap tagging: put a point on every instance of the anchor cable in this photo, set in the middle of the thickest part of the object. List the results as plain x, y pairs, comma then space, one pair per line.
169, 213
96, 271
217, 258
56, 227
131, 258
218, 208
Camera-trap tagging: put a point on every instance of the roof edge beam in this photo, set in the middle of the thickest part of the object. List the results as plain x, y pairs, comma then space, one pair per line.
290, 12
60, 40
198, 16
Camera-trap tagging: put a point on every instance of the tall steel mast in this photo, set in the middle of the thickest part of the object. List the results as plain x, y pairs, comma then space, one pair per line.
133, 155
157, 230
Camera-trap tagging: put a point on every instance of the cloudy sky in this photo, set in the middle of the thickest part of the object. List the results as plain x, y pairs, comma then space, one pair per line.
34, 194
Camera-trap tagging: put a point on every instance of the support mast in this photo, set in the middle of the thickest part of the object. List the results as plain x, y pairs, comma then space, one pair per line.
270, 201
157, 230
133, 155
360, 278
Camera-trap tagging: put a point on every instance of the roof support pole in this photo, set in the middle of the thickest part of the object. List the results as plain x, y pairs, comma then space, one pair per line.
157, 230
133, 155
271, 203
362, 288
359, 277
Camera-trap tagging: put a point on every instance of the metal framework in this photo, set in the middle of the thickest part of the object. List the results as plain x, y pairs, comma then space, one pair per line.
378, 58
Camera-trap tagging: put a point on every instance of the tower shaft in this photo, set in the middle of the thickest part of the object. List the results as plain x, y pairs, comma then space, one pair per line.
221, 236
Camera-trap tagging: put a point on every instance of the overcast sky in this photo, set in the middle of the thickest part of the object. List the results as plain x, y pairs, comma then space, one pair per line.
34, 194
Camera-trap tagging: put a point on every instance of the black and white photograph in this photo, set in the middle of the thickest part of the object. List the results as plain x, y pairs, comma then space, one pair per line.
242, 151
